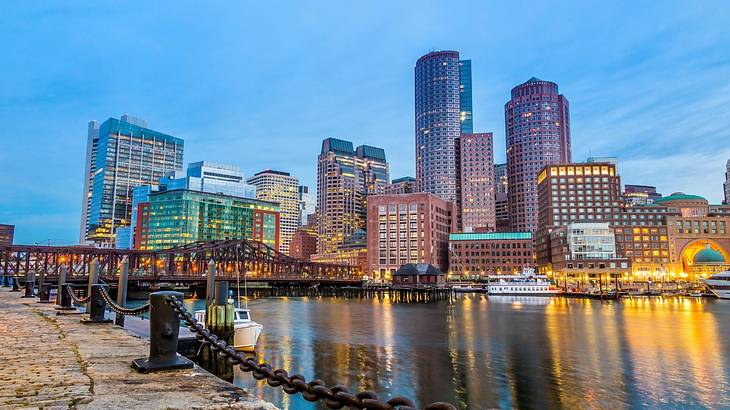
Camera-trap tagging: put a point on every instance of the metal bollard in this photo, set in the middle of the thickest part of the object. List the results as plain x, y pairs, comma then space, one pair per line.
44, 293
122, 290
164, 332
65, 302
29, 285
16, 288
97, 306
61, 281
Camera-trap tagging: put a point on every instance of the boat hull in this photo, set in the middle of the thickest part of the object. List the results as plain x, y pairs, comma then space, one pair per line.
246, 335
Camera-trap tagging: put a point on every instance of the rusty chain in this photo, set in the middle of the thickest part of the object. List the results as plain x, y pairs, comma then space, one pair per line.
75, 298
334, 397
120, 309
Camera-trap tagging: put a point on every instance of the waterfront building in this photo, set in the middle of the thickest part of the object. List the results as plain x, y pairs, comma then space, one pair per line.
353, 252
475, 183
473, 255
7, 233
726, 185
307, 205
125, 154
407, 228
282, 188
440, 117
404, 185
537, 125
92, 142
419, 275
304, 242
640, 195
345, 177
213, 177
178, 217
581, 249
570, 193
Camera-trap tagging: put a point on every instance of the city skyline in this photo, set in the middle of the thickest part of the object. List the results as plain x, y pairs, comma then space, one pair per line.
674, 69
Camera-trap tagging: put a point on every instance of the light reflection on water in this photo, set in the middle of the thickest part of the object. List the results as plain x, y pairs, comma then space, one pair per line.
504, 351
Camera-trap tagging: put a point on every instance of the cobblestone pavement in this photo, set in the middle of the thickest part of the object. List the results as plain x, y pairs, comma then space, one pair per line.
51, 361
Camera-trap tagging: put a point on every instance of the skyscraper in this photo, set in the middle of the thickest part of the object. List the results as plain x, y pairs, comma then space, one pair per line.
280, 187
440, 117
537, 125
345, 177
92, 141
726, 185
307, 205
127, 155
476, 201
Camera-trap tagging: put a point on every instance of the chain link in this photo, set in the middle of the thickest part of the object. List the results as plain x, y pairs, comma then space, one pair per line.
120, 309
334, 397
75, 298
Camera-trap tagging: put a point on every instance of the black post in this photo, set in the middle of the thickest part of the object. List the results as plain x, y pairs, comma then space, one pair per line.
97, 306
61, 288
44, 292
65, 304
164, 332
29, 285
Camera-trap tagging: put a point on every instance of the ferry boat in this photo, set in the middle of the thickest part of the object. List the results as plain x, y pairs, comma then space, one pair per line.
524, 284
466, 288
246, 332
719, 284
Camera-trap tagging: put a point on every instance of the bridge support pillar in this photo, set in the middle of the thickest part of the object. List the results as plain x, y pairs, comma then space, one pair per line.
164, 332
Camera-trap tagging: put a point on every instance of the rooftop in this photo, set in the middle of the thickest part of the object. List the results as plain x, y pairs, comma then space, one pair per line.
490, 236
679, 196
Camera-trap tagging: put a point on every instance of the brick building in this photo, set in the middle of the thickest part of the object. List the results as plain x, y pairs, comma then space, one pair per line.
489, 253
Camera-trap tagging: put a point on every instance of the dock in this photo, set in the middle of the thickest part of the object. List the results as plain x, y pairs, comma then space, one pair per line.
55, 361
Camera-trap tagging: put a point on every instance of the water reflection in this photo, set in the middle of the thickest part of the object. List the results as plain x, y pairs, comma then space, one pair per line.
506, 352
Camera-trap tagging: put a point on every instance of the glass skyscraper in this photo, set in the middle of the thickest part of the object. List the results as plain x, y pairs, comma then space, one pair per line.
443, 111
127, 154
282, 188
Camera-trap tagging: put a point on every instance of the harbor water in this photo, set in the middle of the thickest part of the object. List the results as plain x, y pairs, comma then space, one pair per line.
502, 352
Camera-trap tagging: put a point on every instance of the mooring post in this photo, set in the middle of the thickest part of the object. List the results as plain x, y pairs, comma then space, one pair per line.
219, 320
44, 292
16, 288
60, 288
65, 304
29, 284
93, 279
164, 332
97, 306
210, 284
122, 290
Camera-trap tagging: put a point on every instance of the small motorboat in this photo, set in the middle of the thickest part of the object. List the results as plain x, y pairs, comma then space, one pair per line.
246, 332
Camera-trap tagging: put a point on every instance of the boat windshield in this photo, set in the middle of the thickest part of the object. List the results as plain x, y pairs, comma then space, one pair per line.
241, 315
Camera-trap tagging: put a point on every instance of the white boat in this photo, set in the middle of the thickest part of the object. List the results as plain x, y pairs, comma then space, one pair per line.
524, 284
466, 288
719, 284
246, 332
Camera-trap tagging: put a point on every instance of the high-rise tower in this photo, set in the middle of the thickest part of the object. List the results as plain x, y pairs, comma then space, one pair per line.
280, 187
537, 125
443, 112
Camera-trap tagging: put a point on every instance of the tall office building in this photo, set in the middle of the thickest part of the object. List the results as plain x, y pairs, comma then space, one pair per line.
127, 155
475, 183
443, 110
307, 205
345, 177
402, 185
537, 125
500, 179
726, 185
213, 177
92, 141
280, 187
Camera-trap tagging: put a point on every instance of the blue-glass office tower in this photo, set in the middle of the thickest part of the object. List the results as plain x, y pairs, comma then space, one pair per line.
443, 111
127, 155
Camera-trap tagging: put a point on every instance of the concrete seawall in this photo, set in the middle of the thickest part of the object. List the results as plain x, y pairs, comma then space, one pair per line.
50, 361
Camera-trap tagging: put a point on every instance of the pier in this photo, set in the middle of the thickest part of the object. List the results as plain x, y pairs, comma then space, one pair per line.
53, 361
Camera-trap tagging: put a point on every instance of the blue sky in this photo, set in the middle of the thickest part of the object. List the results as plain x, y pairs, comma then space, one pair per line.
260, 84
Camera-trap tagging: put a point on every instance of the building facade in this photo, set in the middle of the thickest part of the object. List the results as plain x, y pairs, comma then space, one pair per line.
7, 232
213, 177
726, 185
475, 183
473, 255
92, 142
179, 216
127, 155
345, 177
307, 205
440, 116
501, 202
407, 228
404, 185
640, 194
537, 125
304, 243
282, 188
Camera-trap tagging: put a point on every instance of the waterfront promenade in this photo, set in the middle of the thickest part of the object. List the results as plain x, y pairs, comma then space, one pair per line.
51, 361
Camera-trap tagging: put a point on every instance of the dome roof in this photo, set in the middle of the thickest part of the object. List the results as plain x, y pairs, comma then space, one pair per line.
708, 255
679, 196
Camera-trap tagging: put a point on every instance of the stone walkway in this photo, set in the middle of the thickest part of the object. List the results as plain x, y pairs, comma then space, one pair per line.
51, 361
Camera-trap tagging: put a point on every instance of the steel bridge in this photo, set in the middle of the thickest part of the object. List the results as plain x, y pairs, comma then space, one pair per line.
254, 260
